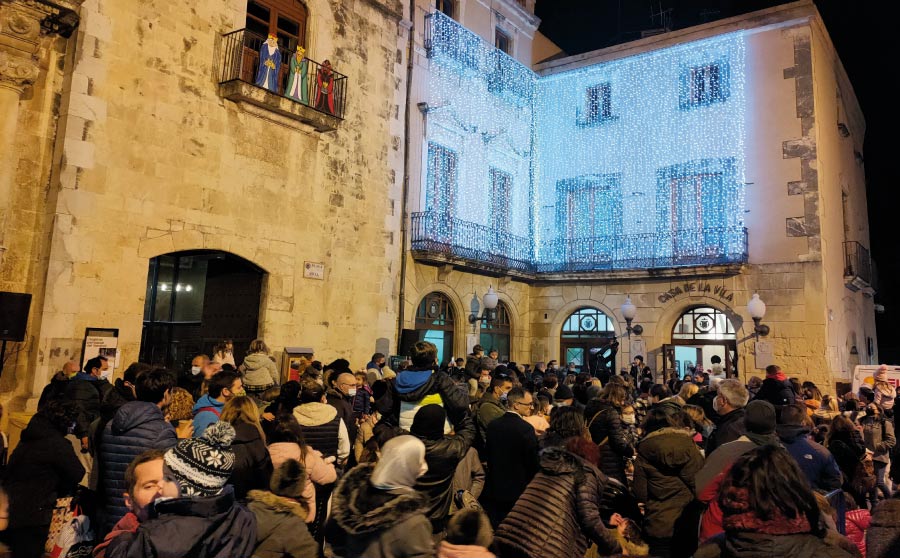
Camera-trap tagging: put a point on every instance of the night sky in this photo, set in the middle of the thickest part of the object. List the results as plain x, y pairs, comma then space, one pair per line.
865, 34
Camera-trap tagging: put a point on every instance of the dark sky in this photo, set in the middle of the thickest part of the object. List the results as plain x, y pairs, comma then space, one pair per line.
865, 34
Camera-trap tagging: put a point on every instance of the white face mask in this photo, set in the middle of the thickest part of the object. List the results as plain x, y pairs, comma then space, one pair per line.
628, 419
716, 404
351, 392
195, 370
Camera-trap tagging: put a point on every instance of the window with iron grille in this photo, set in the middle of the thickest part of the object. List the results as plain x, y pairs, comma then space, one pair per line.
704, 85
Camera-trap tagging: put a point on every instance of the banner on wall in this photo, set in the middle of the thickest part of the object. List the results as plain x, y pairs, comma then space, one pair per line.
101, 342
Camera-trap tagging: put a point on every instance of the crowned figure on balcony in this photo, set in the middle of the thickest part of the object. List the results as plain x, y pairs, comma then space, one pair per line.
298, 79
269, 64
325, 88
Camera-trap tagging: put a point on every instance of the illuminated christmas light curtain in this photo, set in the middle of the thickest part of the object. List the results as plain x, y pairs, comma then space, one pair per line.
636, 162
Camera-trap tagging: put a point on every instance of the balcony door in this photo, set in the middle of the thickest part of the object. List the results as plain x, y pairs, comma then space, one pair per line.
440, 192
589, 213
588, 340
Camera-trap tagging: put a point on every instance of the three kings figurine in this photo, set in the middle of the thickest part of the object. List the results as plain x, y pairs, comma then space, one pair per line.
298, 79
269, 64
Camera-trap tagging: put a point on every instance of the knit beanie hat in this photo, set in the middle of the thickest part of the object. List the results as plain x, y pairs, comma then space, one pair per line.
759, 417
429, 422
881, 373
289, 479
564, 392
203, 465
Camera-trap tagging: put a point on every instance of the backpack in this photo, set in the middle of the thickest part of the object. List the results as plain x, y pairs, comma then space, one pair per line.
863, 476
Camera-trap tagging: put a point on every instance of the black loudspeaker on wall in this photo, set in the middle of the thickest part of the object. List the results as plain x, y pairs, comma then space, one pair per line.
13, 315
408, 338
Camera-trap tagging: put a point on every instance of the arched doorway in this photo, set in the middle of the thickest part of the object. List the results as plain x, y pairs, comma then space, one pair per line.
435, 323
588, 339
196, 299
496, 334
699, 334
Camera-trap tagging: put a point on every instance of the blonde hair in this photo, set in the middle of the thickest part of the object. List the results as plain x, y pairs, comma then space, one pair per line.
696, 414
242, 409
688, 390
258, 346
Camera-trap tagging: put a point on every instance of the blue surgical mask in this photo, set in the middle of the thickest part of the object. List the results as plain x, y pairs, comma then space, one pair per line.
503, 396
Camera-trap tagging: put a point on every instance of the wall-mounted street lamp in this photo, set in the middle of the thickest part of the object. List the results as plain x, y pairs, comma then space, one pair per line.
629, 311
490, 301
757, 309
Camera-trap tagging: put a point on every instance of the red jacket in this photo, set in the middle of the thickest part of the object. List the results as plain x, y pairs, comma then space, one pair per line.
856, 524
128, 524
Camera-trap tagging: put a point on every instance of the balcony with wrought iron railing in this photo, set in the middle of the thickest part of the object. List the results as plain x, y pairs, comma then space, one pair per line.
859, 269
317, 94
448, 41
439, 238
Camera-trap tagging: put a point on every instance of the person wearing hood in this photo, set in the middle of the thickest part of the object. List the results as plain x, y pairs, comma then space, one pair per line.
884, 391
776, 389
667, 462
469, 535
442, 454
769, 510
42, 468
136, 427
816, 462
420, 385
259, 369
200, 516
222, 387
376, 511
559, 514
759, 422
325, 431
281, 515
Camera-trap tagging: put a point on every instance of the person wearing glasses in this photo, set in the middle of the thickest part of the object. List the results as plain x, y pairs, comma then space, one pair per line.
512, 455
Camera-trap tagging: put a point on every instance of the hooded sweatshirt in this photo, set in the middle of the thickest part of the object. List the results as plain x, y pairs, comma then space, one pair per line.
210, 413
259, 371
316, 421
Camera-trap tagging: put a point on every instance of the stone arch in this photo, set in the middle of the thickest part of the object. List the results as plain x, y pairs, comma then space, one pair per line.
459, 317
563, 314
671, 314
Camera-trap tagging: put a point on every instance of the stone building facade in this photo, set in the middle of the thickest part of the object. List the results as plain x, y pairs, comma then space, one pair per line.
137, 132
787, 219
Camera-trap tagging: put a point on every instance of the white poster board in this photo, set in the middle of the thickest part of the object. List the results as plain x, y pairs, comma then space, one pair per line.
99, 342
765, 354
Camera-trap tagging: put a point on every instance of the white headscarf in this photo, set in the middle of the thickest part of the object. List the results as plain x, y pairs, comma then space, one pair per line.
402, 462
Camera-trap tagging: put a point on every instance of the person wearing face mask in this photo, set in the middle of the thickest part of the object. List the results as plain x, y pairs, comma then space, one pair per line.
878, 435
341, 396
731, 398
489, 408
377, 512
222, 387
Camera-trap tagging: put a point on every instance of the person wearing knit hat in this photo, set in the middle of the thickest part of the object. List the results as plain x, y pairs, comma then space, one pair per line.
885, 393
759, 422
443, 454
375, 508
281, 514
202, 466
205, 520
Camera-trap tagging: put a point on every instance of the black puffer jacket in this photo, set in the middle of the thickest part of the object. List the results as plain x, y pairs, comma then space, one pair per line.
667, 462
199, 527
411, 386
761, 545
252, 464
443, 456
136, 427
729, 428
777, 392
42, 468
559, 512
606, 430
86, 396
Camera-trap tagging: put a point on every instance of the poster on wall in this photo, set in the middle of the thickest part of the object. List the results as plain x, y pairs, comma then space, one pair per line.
101, 342
765, 354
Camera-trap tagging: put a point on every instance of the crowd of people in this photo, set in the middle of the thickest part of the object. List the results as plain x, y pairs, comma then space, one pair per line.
476, 458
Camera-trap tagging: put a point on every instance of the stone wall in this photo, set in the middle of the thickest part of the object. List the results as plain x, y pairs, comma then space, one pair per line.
152, 160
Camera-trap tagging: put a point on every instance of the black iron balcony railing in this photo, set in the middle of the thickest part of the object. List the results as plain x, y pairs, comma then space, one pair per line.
440, 233
505, 76
314, 85
689, 247
433, 232
858, 267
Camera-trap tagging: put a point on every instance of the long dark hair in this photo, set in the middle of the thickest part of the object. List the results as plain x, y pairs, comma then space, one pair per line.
287, 430
565, 423
774, 484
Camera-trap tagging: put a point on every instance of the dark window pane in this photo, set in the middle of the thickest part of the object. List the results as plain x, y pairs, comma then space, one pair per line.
257, 10
287, 26
257, 27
